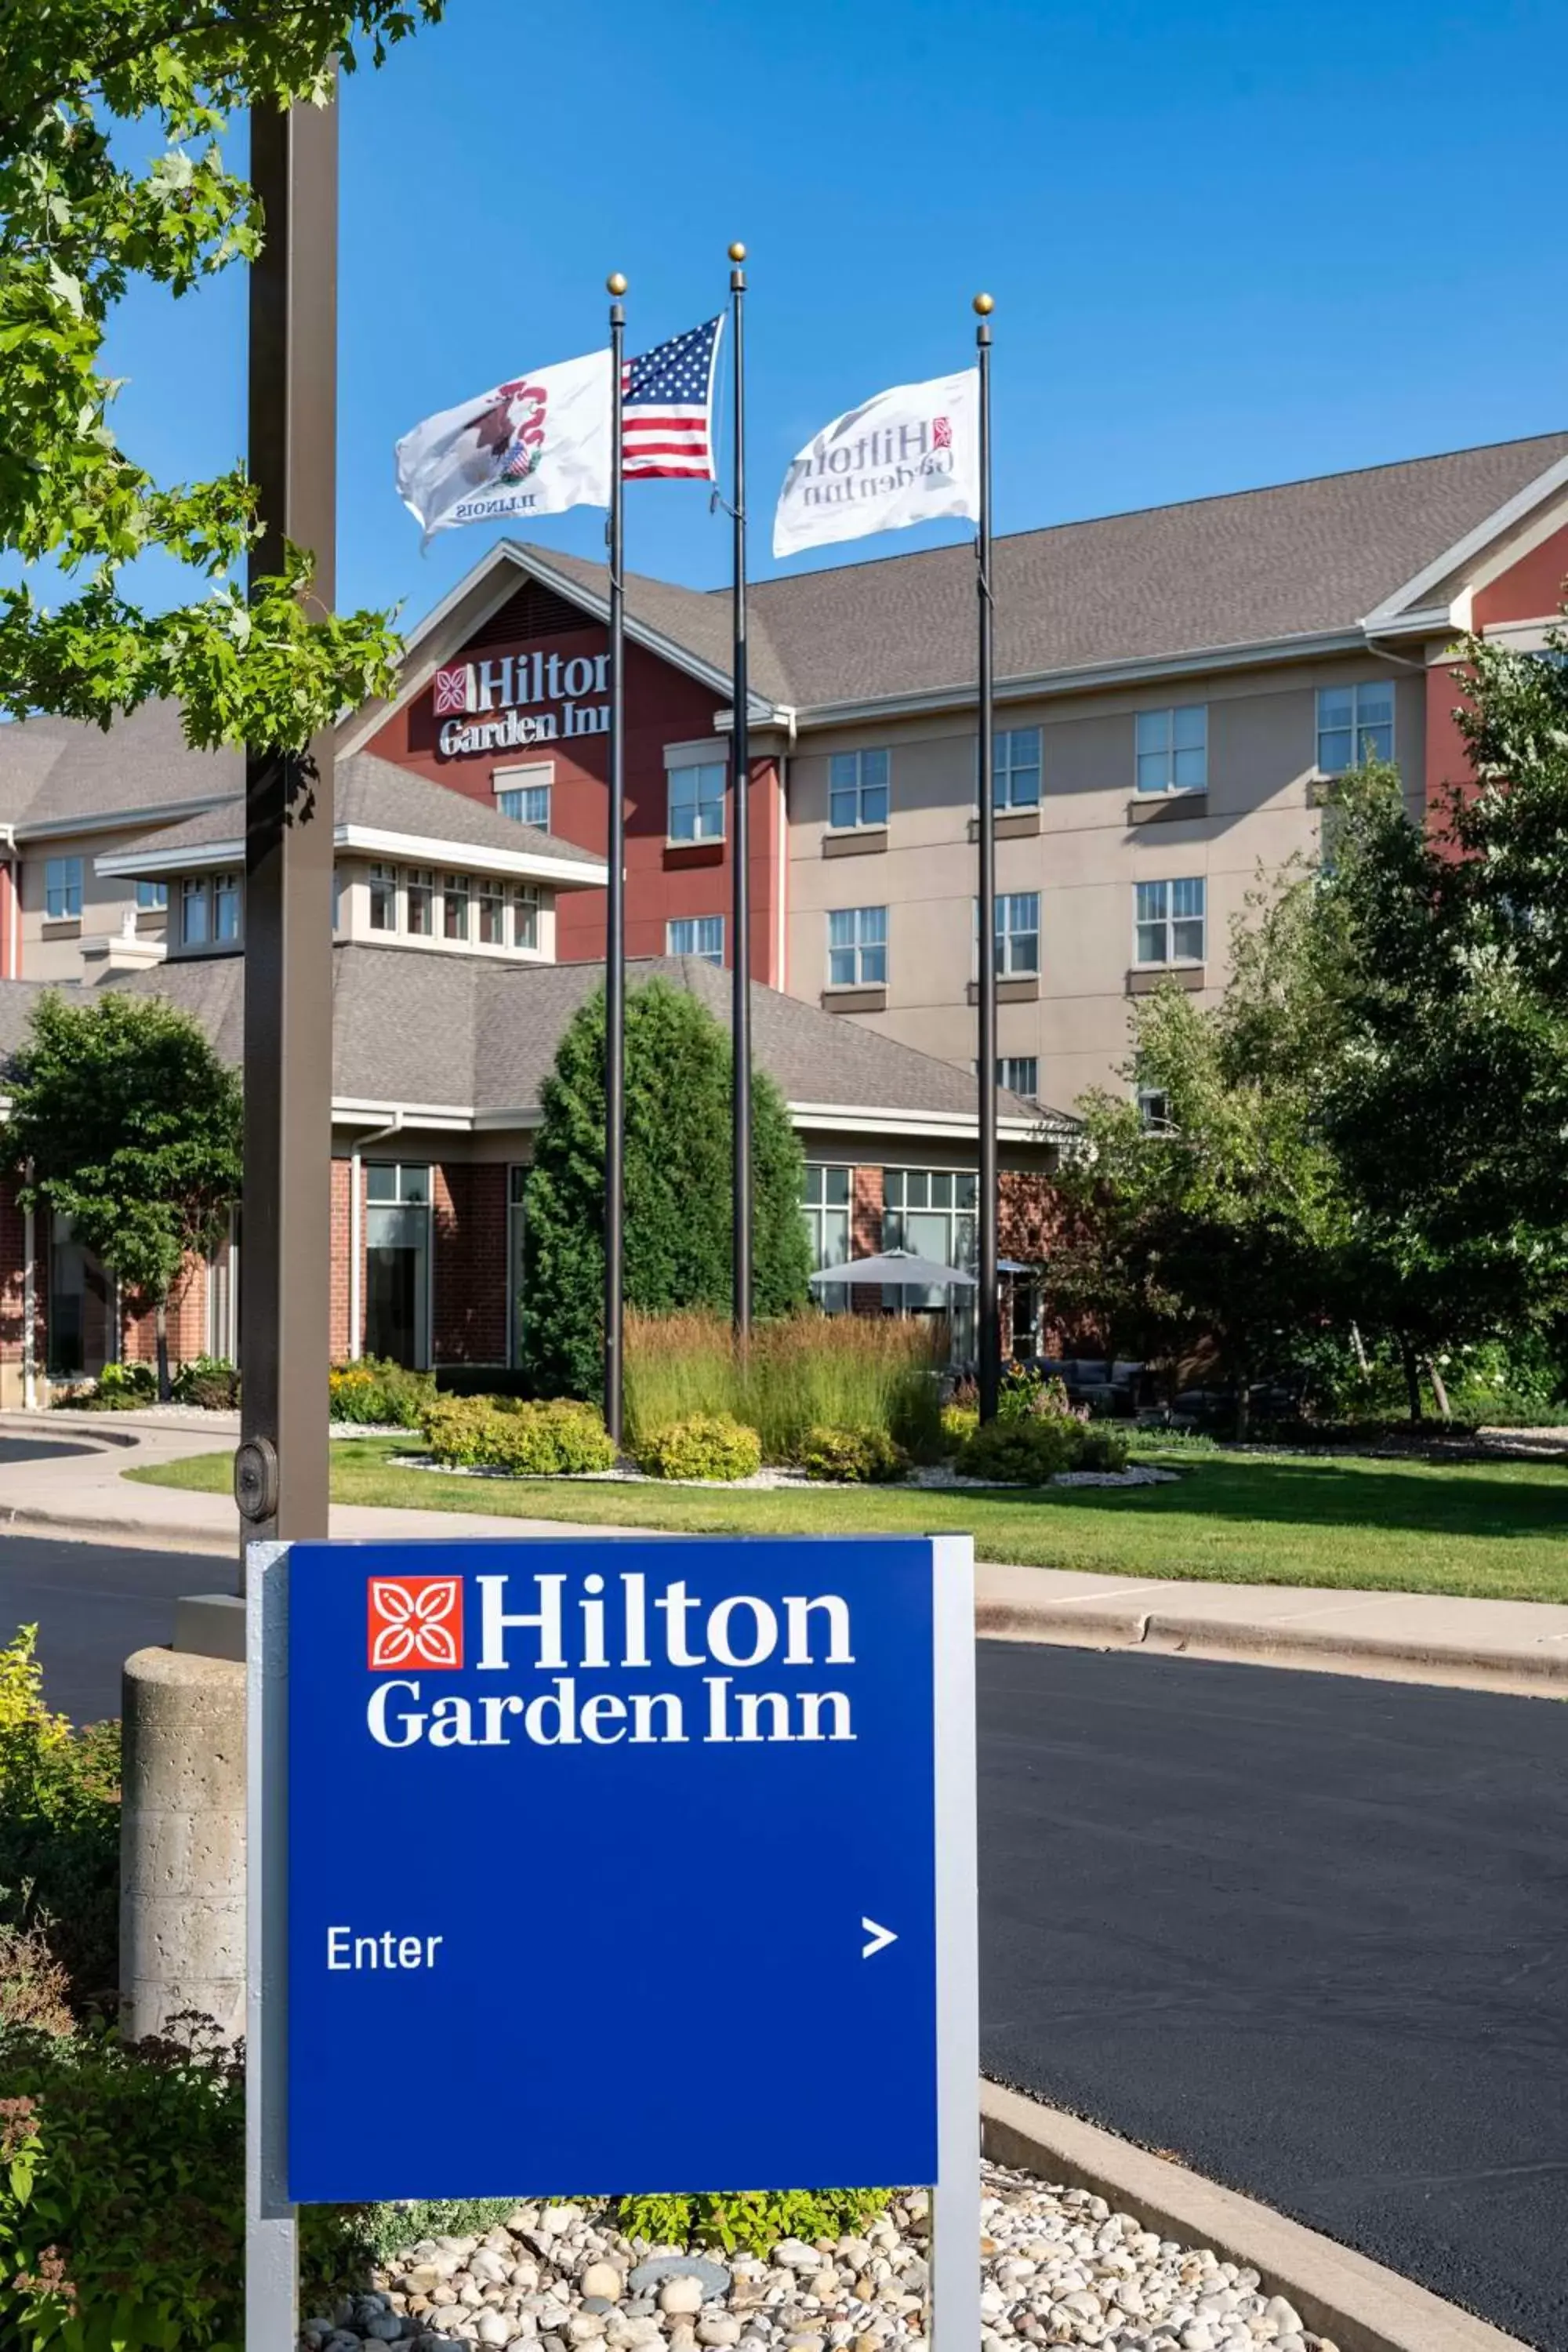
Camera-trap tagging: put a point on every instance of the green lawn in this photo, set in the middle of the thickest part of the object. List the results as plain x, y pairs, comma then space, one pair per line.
1499, 1529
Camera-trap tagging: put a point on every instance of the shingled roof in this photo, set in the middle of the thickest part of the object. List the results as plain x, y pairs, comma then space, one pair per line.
370, 794
469, 1033
1251, 568
59, 772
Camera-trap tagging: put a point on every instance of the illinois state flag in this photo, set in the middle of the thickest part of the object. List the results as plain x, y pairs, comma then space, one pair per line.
530, 447
912, 455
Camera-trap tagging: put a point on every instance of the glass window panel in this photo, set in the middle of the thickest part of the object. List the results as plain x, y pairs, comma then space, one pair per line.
874, 967
1335, 751
874, 769
1374, 703
152, 896
413, 1182
1152, 770
1187, 896
421, 900
1191, 770
841, 967
1335, 706
874, 804
941, 1192
1190, 726
1154, 734
1188, 937
525, 915
837, 1185
226, 906
492, 915
1151, 942
842, 808
455, 906
384, 897
1152, 901
193, 913
380, 1181
841, 927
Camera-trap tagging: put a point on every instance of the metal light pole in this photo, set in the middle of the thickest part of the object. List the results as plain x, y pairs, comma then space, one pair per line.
740, 845
990, 1328
280, 1468
615, 900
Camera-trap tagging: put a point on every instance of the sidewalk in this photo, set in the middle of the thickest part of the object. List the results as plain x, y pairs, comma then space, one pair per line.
1519, 1646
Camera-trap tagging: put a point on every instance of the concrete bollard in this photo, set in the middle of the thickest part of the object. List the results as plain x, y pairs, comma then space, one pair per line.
182, 1843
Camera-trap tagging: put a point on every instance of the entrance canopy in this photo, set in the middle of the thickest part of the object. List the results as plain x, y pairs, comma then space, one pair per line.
896, 1266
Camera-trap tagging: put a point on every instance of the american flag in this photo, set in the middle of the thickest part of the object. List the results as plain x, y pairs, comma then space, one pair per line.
669, 408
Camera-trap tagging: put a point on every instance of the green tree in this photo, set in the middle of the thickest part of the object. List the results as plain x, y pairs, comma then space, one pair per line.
124, 1120
1223, 1221
678, 1224
83, 212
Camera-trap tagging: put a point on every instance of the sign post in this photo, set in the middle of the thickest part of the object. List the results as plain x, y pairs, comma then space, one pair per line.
651, 1718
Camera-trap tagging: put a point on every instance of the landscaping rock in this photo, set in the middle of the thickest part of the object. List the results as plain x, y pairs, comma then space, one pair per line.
1057, 2269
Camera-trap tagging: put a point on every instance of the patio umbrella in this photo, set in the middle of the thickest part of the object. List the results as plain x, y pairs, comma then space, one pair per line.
897, 1266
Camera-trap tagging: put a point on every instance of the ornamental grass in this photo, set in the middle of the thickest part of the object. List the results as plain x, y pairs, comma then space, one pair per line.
802, 1371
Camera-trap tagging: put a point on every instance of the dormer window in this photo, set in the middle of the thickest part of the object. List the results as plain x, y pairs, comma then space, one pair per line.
491, 904
420, 899
196, 912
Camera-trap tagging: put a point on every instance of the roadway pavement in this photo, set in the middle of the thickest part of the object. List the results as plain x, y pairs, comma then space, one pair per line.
93, 1604
1302, 1931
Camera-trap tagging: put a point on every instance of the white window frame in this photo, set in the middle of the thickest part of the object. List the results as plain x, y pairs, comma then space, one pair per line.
711, 797
1170, 751
527, 916
1358, 730
1006, 767
536, 776
959, 1305
847, 776
867, 945
195, 891
1006, 1064
384, 877
62, 884
696, 924
1169, 918
227, 886
1007, 966
400, 1169
816, 1209
491, 891
457, 891
419, 882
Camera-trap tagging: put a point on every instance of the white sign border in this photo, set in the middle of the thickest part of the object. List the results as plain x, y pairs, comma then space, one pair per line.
271, 2231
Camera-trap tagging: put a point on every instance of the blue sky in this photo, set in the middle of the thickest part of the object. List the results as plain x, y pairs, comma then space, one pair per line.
1231, 244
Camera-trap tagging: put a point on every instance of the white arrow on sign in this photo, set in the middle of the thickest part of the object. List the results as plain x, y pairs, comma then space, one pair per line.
881, 1937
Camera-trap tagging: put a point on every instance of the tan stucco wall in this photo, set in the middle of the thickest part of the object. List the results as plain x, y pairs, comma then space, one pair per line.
1262, 749
53, 951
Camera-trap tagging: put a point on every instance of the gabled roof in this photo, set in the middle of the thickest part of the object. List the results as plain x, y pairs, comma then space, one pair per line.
383, 810
60, 773
1288, 569
471, 1039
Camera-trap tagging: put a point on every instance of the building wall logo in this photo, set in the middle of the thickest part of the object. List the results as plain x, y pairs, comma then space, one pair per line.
452, 689
415, 1621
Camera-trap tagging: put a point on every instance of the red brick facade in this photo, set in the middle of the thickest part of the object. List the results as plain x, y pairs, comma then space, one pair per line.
665, 880
472, 1317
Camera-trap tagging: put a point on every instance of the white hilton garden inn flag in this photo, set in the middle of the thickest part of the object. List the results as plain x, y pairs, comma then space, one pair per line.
912, 455
530, 447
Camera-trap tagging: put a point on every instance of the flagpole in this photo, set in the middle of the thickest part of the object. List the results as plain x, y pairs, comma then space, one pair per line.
741, 842
990, 1330
614, 898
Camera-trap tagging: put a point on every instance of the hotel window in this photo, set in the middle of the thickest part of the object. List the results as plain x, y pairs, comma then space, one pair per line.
455, 906
1173, 749
696, 935
196, 912
421, 901
1018, 933
384, 897
857, 947
825, 1205
226, 909
1154, 1110
1019, 1072
696, 802
491, 901
932, 1211
397, 1262
523, 794
151, 898
857, 790
1355, 724
525, 915
62, 887
1170, 920
1016, 769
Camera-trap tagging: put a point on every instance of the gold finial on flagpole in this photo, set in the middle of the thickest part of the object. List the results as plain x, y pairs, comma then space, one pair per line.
737, 252
614, 283
984, 305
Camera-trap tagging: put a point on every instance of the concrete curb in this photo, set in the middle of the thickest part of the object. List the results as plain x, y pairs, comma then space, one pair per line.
103, 1527
1358, 2304
1522, 1673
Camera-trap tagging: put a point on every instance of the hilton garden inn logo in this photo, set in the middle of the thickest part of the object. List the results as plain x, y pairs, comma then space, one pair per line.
576, 1664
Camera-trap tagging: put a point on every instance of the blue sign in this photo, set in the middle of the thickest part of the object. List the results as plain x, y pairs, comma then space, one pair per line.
611, 1866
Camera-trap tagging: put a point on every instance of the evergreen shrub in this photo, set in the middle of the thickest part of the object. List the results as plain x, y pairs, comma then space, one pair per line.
211, 1381
1019, 1452
863, 1456
372, 1392
708, 1446
527, 1439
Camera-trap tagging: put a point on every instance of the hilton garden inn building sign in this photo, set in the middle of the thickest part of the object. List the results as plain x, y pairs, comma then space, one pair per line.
536, 697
